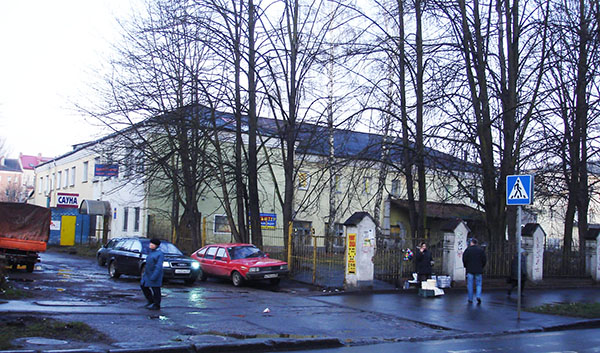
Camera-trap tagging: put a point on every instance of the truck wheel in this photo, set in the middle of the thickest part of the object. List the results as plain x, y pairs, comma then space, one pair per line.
112, 270
237, 279
29, 267
101, 261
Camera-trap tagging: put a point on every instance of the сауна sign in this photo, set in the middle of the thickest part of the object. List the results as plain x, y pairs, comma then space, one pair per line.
67, 200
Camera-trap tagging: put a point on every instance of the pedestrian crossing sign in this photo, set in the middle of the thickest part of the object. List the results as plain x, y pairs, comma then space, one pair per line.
519, 190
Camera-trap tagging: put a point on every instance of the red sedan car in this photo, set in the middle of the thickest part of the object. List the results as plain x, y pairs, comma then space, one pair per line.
240, 262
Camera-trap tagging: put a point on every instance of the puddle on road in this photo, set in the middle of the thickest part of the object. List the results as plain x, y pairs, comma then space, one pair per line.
17, 279
241, 336
196, 313
65, 273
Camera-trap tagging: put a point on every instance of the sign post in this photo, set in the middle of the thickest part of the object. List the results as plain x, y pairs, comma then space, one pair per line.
519, 191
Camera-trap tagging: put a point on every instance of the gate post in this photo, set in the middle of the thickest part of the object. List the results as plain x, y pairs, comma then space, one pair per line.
455, 243
360, 251
592, 262
590, 257
533, 242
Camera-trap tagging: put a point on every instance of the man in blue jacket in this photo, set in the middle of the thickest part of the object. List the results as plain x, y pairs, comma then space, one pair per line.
153, 276
474, 260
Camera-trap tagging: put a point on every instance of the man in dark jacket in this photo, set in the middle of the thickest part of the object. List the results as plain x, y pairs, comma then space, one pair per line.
423, 262
513, 280
474, 261
153, 276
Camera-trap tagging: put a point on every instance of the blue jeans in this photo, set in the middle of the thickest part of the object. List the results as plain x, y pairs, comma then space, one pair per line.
478, 281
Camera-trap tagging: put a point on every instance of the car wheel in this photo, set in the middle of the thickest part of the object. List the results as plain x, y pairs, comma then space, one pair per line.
29, 267
101, 261
275, 281
202, 276
237, 279
112, 270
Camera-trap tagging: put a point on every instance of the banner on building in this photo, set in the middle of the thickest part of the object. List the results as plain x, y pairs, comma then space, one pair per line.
268, 220
106, 170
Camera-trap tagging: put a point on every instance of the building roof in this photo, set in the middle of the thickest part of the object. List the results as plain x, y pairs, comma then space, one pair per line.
30, 162
356, 218
530, 228
10, 165
445, 210
592, 232
310, 138
451, 224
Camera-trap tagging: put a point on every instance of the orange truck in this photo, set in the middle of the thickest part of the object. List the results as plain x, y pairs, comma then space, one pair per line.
24, 232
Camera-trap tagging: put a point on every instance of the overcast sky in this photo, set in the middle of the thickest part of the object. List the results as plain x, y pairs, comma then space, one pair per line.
49, 53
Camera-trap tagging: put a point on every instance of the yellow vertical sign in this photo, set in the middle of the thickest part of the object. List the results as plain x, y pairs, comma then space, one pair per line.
351, 253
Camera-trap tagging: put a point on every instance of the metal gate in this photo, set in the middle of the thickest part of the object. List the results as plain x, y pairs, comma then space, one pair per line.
557, 263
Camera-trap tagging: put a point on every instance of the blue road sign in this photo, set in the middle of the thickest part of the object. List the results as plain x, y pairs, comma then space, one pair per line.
519, 190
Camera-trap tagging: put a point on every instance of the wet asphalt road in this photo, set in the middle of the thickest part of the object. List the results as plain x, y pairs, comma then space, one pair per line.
77, 289
578, 341
71, 288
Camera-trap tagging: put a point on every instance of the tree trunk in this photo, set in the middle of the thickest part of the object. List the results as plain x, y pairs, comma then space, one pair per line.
422, 216
252, 150
407, 153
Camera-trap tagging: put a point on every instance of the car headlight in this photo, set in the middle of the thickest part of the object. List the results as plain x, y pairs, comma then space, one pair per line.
166, 264
254, 269
195, 265
283, 267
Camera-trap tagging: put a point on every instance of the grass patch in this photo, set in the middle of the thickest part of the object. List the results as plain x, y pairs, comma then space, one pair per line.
12, 328
586, 310
8, 292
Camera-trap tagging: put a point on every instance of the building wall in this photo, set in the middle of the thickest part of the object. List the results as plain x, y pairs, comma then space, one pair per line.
76, 172
356, 189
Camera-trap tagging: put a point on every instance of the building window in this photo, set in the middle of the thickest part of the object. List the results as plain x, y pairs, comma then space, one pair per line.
473, 197
41, 185
396, 187
221, 224
302, 234
59, 180
84, 175
96, 162
9, 179
366, 185
338, 183
73, 176
337, 239
303, 180
136, 222
47, 184
125, 218
66, 177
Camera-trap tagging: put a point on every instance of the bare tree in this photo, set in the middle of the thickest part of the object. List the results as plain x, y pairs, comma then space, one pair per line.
294, 41
571, 126
502, 51
151, 102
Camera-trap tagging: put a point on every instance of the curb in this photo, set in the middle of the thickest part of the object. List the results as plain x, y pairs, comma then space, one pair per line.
281, 344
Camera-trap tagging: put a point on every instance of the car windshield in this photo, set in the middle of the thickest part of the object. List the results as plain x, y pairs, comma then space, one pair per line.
244, 252
166, 247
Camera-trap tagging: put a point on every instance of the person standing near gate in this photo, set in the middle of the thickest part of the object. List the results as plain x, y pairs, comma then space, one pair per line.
153, 276
474, 260
423, 261
513, 280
